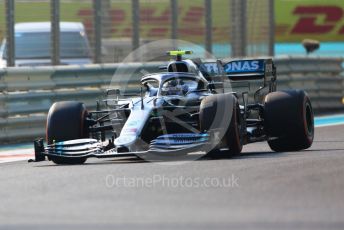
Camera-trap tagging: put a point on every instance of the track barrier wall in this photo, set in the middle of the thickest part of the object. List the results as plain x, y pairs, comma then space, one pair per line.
28, 92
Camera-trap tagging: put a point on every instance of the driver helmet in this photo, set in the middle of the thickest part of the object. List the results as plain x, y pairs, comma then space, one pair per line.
175, 87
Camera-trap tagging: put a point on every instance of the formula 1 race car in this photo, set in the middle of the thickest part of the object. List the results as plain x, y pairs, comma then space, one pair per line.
182, 110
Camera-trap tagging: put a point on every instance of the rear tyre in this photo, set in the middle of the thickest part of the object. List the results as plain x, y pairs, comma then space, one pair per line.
66, 121
289, 119
222, 112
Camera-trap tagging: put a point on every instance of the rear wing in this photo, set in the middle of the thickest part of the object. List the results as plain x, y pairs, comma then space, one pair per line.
250, 69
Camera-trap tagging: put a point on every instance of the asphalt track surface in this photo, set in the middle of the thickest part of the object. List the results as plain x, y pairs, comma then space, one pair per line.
296, 190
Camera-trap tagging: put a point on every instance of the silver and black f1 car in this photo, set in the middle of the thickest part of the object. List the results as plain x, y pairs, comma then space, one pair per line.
185, 109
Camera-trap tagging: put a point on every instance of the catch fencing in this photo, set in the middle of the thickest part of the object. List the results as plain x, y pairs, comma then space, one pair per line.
28, 92
117, 27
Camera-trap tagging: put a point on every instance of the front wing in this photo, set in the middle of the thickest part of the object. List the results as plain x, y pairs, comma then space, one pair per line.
170, 144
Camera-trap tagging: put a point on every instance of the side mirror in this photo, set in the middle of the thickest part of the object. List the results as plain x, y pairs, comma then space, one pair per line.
163, 67
113, 92
215, 85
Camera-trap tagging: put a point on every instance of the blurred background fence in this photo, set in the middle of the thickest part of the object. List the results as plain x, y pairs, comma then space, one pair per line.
116, 27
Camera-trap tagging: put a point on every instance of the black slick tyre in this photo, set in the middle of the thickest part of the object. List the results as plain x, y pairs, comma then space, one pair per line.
66, 121
222, 112
289, 120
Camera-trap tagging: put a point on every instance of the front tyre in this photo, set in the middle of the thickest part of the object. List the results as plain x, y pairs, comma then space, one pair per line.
222, 112
66, 121
289, 120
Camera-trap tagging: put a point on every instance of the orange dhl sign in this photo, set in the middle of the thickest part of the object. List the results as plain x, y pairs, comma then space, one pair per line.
310, 15
295, 20
154, 21
322, 20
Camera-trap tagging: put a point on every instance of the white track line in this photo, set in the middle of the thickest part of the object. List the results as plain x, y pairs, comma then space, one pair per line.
12, 155
332, 120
